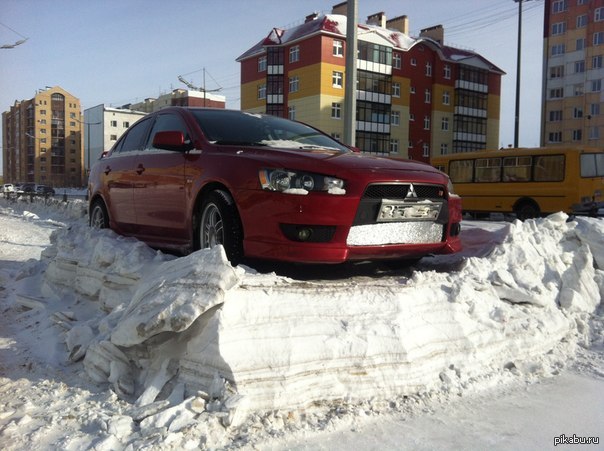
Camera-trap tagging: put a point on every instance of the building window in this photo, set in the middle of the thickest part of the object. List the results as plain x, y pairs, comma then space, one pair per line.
126, 124
426, 149
411, 117
579, 67
43, 112
336, 110
594, 133
558, 28
582, 21
412, 89
394, 145
427, 96
447, 71
426, 123
113, 137
262, 64
558, 49
337, 79
43, 131
596, 62
599, 38
72, 124
72, 115
577, 135
599, 14
446, 98
294, 84
338, 48
578, 113
413, 62
444, 124
555, 137
556, 93
335, 136
580, 44
114, 123
596, 85
397, 61
428, 69
291, 113
444, 149
262, 91
559, 6
396, 89
556, 72
294, 54
594, 109
555, 116
578, 89
395, 118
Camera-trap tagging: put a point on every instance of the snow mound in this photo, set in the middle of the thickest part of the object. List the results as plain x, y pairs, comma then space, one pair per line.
199, 332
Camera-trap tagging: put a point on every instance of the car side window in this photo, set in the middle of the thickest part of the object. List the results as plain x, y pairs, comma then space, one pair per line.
164, 123
135, 136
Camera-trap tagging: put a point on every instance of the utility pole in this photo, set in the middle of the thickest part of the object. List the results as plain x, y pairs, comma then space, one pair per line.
517, 109
350, 91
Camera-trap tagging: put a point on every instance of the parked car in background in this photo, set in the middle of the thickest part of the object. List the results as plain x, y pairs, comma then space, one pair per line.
27, 188
266, 187
45, 190
7, 188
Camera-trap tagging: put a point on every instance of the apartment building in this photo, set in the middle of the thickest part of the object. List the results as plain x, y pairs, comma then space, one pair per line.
573, 75
416, 97
180, 97
42, 140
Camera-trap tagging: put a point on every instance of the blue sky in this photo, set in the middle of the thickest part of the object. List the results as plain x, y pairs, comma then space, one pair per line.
122, 51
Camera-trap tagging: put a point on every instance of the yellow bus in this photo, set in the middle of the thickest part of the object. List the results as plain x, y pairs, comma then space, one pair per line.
528, 182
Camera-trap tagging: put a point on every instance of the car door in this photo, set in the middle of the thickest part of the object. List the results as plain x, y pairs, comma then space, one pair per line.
120, 175
159, 194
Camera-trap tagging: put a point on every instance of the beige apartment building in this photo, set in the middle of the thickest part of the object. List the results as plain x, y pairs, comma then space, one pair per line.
42, 140
573, 85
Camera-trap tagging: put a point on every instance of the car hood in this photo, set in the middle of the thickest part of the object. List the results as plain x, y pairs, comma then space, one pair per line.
332, 162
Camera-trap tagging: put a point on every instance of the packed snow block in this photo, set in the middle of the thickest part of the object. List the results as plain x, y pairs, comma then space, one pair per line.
591, 232
174, 295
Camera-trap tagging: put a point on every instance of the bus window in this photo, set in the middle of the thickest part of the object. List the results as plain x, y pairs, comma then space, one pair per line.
516, 169
592, 165
549, 168
488, 170
460, 171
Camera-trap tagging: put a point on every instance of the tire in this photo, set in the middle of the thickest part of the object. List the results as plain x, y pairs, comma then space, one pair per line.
219, 223
527, 210
98, 217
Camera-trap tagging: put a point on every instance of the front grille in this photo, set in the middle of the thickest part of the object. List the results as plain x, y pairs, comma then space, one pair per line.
370, 203
400, 191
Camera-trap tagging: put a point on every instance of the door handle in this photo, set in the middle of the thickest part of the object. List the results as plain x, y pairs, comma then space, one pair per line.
140, 169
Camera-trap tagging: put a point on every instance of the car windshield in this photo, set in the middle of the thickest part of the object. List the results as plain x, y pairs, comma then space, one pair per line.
240, 128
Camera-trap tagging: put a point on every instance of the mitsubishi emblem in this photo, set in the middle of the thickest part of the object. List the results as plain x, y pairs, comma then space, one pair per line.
411, 192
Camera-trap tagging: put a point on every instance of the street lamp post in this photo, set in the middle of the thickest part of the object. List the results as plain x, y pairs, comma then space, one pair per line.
517, 108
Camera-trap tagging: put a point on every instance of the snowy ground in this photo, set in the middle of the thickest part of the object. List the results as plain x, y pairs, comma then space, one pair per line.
107, 344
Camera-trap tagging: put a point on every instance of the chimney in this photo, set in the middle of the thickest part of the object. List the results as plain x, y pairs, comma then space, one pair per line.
311, 17
340, 8
436, 33
400, 23
378, 19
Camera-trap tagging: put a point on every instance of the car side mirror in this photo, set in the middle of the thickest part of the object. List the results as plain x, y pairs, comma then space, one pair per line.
171, 140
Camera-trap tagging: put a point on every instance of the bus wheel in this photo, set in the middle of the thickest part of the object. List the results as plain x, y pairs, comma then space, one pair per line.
527, 210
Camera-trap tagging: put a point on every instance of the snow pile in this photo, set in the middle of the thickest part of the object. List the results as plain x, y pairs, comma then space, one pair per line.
197, 331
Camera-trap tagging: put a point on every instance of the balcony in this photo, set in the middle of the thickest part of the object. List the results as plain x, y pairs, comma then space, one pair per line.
471, 86
473, 112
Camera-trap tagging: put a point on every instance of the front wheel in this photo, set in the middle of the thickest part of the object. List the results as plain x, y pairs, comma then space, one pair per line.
219, 223
527, 210
98, 217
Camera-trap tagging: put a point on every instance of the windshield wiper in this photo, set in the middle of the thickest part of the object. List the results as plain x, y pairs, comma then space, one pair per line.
223, 142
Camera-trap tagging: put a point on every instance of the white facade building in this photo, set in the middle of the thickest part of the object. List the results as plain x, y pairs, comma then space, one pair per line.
102, 127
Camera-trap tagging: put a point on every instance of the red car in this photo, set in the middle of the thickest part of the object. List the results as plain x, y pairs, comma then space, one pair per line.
182, 179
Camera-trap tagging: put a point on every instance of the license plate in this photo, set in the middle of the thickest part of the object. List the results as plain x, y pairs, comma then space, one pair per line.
392, 210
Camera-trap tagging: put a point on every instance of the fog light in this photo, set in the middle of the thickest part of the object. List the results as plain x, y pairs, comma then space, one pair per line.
304, 234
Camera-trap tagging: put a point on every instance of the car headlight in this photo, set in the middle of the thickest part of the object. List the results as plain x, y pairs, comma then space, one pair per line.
450, 187
284, 179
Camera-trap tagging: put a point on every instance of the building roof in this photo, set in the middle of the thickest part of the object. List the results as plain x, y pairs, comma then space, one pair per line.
335, 24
